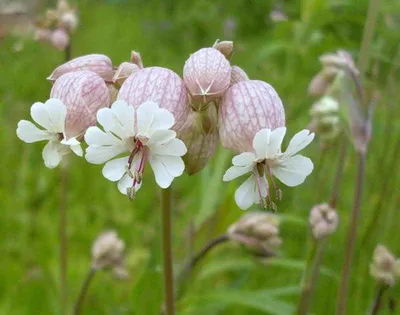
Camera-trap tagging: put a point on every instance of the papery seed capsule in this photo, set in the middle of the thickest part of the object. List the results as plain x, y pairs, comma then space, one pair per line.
247, 107
160, 85
99, 64
238, 75
200, 136
207, 74
83, 93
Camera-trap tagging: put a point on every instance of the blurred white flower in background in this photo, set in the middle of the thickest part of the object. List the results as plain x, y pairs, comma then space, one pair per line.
145, 134
268, 159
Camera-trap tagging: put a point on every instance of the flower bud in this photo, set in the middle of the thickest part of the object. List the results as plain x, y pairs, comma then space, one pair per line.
125, 69
42, 34
136, 59
107, 251
59, 39
83, 93
258, 231
225, 47
325, 106
200, 135
385, 269
247, 107
160, 85
322, 81
69, 21
207, 75
340, 60
323, 221
238, 75
99, 64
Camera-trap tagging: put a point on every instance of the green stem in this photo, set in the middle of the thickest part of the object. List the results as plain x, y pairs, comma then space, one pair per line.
63, 239
376, 305
167, 251
310, 278
83, 292
351, 238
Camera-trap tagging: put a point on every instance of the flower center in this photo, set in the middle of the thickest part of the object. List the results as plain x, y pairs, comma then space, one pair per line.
142, 151
263, 170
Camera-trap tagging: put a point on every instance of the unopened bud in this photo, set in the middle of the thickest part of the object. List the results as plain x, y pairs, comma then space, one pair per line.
238, 75
136, 59
207, 75
69, 20
59, 39
200, 135
108, 251
385, 269
322, 81
341, 60
258, 231
125, 69
246, 108
323, 221
160, 85
83, 93
325, 106
225, 47
96, 63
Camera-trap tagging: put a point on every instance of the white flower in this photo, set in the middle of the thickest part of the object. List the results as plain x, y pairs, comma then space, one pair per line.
143, 133
51, 116
267, 160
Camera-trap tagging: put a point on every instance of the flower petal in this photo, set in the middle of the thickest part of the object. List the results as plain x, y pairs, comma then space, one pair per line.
244, 159
293, 170
261, 142
163, 120
299, 141
145, 116
160, 137
174, 164
125, 182
275, 142
101, 154
119, 119
115, 169
96, 136
52, 154
246, 193
74, 145
236, 171
77, 149
50, 115
174, 147
163, 177
29, 133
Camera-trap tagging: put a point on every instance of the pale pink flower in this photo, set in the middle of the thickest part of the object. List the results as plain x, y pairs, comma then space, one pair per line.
60, 39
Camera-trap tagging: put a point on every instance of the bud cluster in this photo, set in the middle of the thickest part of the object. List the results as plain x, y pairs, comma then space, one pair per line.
108, 253
57, 25
257, 231
384, 268
323, 221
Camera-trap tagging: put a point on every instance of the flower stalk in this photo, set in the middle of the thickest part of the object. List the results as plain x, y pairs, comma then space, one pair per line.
377, 303
167, 250
63, 239
84, 290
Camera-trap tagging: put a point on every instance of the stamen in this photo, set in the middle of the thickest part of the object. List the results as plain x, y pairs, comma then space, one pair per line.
278, 192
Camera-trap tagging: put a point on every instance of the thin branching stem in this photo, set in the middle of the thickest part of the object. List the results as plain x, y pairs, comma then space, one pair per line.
83, 292
339, 173
167, 250
351, 238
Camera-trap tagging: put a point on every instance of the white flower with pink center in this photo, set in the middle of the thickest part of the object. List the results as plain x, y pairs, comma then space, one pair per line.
52, 117
144, 133
267, 160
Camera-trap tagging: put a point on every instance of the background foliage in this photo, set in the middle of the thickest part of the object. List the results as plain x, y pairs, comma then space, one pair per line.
229, 281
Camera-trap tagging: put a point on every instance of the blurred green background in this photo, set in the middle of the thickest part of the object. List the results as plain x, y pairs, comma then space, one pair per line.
229, 280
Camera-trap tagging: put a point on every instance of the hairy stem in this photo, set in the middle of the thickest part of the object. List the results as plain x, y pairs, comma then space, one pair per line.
351, 238
63, 239
83, 292
376, 305
310, 278
167, 251
339, 173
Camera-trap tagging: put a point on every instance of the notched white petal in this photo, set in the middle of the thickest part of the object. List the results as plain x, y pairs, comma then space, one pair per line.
236, 171
101, 154
50, 115
52, 154
96, 136
294, 170
114, 170
163, 177
29, 133
245, 195
299, 141
244, 159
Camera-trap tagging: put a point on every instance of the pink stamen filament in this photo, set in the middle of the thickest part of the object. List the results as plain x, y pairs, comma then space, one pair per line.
262, 199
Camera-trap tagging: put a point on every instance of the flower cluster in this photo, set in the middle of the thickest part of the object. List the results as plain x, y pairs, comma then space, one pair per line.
57, 25
150, 115
323, 221
385, 269
258, 232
